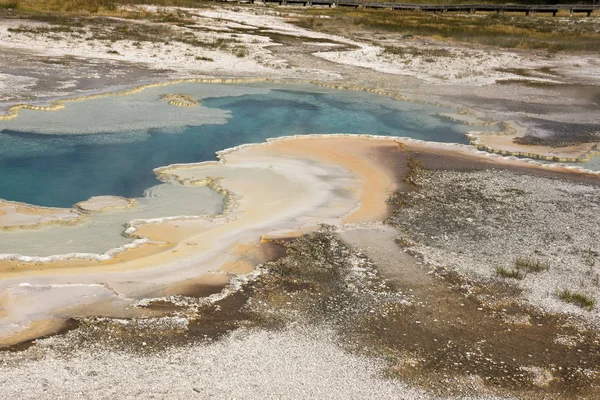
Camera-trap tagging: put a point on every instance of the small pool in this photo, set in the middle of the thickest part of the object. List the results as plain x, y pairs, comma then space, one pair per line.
110, 145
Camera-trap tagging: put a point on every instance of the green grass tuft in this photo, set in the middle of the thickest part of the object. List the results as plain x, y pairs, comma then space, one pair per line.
579, 299
531, 265
523, 266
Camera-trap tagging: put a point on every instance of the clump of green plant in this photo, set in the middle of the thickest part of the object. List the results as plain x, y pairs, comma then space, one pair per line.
523, 266
528, 264
509, 273
579, 299
113, 52
200, 58
404, 242
217, 44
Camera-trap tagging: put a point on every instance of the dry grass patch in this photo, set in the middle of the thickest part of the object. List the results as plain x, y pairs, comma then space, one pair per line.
64, 11
541, 32
412, 51
9, 3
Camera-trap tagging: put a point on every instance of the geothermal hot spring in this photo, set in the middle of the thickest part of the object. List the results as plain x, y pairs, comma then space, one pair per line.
110, 145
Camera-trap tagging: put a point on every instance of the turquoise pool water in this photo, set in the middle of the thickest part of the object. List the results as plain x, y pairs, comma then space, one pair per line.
109, 146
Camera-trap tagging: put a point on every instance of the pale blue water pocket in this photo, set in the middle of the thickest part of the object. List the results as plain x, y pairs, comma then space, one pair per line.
109, 145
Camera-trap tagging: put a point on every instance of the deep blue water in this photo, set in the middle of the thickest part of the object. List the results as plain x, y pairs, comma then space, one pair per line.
60, 170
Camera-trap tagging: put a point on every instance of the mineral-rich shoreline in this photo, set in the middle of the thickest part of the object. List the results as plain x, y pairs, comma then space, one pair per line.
379, 178
371, 197
388, 157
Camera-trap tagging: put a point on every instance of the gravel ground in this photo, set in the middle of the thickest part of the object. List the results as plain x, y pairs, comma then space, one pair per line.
291, 364
477, 222
301, 330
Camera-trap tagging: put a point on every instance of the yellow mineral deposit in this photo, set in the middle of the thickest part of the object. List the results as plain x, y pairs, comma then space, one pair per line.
180, 100
104, 203
504, 144
14, 215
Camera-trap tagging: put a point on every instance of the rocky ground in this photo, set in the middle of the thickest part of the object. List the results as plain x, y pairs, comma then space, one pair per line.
539, 234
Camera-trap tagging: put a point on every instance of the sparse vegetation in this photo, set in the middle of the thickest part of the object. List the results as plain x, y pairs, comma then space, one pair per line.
64, 60
87, 6
560, 140
9, 3
113, 30
240, 52
67, 11
530, 73
509, 273
530, 265
201, 58
412, 51
523, 266
508, 31
579, 299
589, 257
41, 30
138, 33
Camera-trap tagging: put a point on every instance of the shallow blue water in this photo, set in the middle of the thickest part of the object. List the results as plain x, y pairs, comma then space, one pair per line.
60, 170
